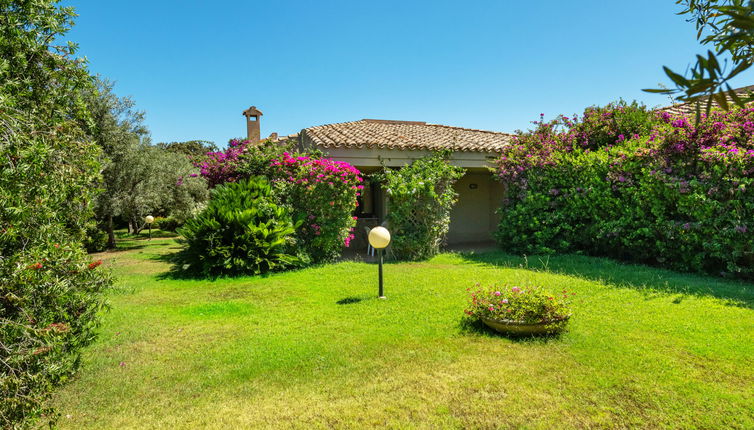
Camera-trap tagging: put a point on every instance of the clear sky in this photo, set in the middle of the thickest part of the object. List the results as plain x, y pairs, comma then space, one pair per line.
194, 66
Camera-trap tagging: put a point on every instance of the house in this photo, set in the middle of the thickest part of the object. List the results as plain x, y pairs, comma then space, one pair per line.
368, 143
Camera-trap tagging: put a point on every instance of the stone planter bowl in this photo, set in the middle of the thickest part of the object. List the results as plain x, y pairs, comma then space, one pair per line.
520, 328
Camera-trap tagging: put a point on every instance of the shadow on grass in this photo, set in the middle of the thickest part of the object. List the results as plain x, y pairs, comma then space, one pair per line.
134, 243
349, 300
144, 234
475, 327
624, 275
179, 271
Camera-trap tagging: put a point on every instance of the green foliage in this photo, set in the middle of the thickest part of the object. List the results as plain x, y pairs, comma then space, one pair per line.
139, 178
522, 304
167, 224
728, 26
420, 196
319, 191
193, 149
96, 239
678, 195
242, 231
322, 193
36, 76
49, 293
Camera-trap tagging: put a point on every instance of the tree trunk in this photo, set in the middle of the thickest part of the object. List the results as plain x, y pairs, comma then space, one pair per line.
110, 233
137, 228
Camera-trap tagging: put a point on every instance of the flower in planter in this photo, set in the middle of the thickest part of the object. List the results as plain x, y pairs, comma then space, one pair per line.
520, 305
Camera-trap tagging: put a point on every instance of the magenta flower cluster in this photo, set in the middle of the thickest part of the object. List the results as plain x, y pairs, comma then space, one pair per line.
326, 193
223, 166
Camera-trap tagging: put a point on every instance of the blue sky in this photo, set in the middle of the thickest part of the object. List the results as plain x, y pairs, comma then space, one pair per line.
193, 66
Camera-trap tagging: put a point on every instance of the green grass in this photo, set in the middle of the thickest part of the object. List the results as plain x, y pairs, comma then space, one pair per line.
646, 348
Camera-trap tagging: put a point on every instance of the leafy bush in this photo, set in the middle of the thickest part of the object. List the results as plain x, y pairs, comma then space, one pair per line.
50, 291
167, 224
421, 196
242, 231
528, 304
96, 238
319, 191
661, 191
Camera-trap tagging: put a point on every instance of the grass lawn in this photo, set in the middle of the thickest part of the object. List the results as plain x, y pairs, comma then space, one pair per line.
646, 348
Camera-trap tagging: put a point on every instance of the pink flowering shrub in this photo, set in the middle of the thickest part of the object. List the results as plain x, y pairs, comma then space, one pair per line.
320, 192
223, 166
630, 183
521, 304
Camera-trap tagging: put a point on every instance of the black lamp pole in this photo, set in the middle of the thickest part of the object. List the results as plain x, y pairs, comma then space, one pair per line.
381, 295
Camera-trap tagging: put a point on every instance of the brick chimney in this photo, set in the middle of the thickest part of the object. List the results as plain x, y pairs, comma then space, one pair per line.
253, 116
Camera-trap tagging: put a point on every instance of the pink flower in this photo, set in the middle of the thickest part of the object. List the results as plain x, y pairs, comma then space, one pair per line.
516, 289
497, 293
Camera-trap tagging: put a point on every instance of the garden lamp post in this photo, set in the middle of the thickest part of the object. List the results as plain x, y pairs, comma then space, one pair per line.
149, 219
379, 238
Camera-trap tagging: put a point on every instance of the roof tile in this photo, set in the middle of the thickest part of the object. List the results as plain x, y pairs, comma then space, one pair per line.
404, 135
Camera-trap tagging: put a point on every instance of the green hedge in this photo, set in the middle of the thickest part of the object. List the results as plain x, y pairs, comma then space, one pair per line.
629, 183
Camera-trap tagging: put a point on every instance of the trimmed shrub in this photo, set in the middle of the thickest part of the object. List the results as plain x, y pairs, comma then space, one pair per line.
241, 232
661, 190
421, 196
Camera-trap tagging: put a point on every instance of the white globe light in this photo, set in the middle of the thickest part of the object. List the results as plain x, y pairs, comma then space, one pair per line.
149, 219
379, 237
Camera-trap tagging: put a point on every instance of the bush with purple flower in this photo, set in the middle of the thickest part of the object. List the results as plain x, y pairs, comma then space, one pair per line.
320, 192
631, 183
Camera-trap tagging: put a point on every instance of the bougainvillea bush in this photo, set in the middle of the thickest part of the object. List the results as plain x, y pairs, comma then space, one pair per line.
521, 304
421, 196
241, 232
627, 182
320, 193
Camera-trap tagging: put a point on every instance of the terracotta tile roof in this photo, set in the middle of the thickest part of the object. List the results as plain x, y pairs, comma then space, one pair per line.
689, 108
404, 135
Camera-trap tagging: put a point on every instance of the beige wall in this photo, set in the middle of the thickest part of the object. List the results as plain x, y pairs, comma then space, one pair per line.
474, 217
372, 157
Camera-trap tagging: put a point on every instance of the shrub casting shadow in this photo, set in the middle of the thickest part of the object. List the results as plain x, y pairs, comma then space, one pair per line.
177, 272
626, 275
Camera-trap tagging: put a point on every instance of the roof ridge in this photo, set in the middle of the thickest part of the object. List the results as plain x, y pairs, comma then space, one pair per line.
469, 129
417, 123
